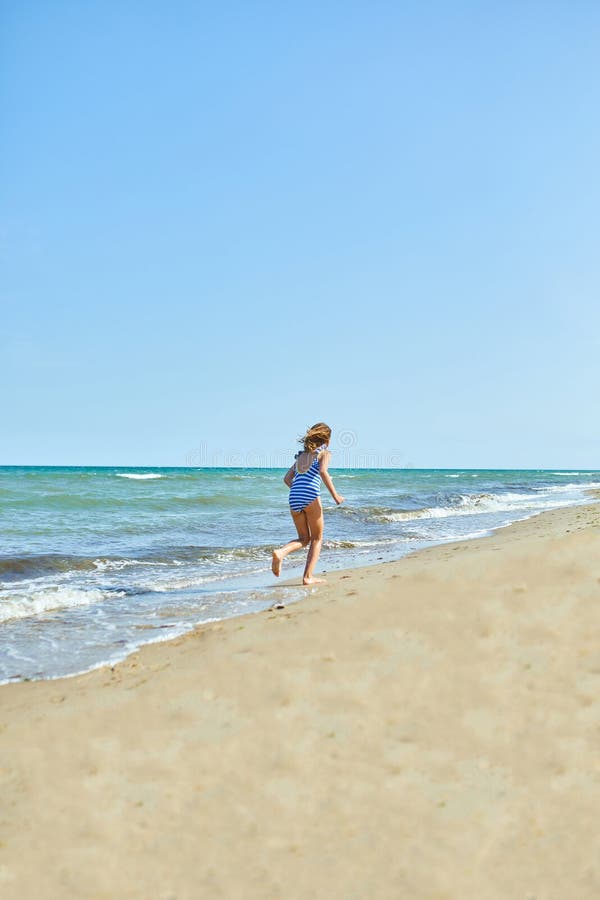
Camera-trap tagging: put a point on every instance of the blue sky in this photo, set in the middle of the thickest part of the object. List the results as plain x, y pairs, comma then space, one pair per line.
220, 223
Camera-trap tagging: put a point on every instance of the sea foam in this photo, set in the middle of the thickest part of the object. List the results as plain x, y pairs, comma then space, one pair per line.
138, 476
21, 606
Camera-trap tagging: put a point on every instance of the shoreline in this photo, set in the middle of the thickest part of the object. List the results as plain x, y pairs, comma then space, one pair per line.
292, 581
421, 728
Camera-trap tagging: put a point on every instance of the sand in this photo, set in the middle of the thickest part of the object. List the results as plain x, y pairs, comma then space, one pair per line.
428, 728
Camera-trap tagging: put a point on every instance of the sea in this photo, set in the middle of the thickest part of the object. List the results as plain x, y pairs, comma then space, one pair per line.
97, 561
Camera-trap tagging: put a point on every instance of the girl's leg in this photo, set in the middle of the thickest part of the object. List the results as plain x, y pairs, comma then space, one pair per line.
314, 517
297, 544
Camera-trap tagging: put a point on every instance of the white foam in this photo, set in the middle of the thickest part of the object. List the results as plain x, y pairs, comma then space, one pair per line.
109, 565
182, 584
477, 504
22, 606
563, 488
138, 477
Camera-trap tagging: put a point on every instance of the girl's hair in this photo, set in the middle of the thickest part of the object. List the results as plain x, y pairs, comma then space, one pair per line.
316, 436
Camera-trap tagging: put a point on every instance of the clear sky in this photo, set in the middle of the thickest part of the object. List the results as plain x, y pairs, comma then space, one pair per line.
220, 223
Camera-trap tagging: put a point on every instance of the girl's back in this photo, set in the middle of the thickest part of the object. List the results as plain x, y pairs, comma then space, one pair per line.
306, 485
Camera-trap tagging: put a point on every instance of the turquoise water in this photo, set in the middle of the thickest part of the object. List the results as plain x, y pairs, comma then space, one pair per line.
95, 562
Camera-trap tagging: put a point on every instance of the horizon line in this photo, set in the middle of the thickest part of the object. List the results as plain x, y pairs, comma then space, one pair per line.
410, 468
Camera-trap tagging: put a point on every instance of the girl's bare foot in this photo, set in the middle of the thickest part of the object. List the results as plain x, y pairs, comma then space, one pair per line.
313, 581
276, 562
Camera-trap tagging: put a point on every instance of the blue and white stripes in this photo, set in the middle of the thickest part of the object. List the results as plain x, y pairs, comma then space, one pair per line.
306, 486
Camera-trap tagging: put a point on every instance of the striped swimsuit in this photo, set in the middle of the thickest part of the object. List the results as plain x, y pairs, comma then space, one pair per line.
306, 486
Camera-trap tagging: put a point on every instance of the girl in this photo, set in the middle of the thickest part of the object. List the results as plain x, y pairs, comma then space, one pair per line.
304, 481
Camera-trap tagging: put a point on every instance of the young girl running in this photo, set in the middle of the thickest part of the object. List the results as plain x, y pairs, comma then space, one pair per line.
304, 481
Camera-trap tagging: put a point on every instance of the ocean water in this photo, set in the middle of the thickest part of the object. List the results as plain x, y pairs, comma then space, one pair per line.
95, 562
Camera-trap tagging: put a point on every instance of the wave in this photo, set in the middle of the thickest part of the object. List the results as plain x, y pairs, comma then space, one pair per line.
461, 505
15, 569
43, 564
139, 477
573, 486
22, 606
69, 503
471, 506
116, 565
253, 476
186, 582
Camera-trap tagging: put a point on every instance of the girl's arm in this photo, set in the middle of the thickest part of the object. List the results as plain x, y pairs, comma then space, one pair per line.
323, 466
289, 475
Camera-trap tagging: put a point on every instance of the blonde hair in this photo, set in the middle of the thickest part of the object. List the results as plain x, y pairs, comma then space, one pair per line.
316, 436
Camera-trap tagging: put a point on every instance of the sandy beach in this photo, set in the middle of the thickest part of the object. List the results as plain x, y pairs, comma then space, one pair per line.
428, 728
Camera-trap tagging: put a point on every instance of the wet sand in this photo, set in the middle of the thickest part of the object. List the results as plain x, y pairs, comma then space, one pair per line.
428, 728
